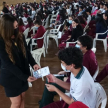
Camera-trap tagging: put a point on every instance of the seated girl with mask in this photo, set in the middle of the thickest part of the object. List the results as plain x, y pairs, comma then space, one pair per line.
77, 31
67, 29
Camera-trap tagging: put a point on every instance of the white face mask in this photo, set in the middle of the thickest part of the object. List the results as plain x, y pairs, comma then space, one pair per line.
33, 12
77, 46
64, 68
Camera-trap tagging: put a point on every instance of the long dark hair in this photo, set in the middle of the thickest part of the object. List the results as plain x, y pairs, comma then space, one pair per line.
30, 22
81, 19
20, 22
78, 22
7, 31
99, 19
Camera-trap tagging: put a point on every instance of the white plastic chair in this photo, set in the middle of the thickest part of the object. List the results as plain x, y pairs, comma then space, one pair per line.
37, 55
67, 43
52, 20
44, 42
86, 27
93, 49
53, 34
33, 28
101, 97
103, 40
47, 22
96, 73
26, 32
24, 19
27, 40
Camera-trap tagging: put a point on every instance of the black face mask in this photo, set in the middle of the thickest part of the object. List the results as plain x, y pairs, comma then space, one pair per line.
16, 31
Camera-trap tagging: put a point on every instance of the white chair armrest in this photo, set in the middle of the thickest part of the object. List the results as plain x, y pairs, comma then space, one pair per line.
53, 16
100, 34
53, 31
67, 43
56, 26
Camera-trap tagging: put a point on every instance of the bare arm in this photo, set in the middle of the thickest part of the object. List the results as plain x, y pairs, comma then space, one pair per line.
66, 98
65, 85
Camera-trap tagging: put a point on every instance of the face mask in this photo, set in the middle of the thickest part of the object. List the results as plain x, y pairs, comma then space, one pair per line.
16, 31
28, 10
70, 21
36, 28
77, 46
1, 12
74, 27
33, 12
64, 68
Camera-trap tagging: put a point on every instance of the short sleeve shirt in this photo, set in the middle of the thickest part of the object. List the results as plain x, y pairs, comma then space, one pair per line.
82, 88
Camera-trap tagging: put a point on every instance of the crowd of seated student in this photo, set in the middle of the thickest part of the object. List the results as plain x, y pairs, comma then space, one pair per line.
89, 61
87, 13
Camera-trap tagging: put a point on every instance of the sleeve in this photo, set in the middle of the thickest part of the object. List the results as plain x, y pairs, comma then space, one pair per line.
39, 33
80, 92
9, 65
58, 18
72, 37
86, 63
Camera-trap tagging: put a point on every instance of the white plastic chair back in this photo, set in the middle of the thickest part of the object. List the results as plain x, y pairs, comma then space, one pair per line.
67, 43
60, 34
86, 27
24, 19
37, 55
101, 97
93, 49
45, 40
33, 28
47, 20
96, 73
26, 32
27, 40
68, 94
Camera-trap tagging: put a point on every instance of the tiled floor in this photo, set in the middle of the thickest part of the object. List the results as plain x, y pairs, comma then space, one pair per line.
33, 95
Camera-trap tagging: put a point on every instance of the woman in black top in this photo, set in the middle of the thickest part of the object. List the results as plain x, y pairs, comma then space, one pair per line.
76, 32
5, 9
15, 59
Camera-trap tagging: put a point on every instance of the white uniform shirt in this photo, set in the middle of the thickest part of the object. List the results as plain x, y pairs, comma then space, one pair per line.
102, 10
88, 19
82, 88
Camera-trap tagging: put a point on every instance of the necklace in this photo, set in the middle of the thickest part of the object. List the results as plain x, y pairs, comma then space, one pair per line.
15, 43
